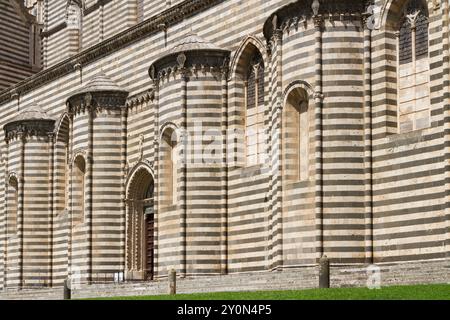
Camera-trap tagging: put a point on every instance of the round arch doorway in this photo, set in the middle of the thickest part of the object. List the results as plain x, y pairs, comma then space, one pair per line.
140, 229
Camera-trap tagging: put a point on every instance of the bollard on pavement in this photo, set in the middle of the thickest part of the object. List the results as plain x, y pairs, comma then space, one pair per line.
67, 290
324, 272
172, 282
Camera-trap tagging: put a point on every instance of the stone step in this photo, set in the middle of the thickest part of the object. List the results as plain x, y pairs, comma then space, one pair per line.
292, 279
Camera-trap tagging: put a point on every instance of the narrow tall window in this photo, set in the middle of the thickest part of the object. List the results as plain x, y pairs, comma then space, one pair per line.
79, 177
12, 204
413, 68
254, 107
296, 136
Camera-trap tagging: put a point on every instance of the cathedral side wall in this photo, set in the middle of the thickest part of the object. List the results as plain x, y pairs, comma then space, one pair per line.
91, 31
15, 36
408, 169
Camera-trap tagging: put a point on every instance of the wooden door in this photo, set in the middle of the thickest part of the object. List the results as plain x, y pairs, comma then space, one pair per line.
149, 245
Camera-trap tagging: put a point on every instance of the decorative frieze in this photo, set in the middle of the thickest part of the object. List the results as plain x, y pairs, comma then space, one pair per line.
98, 94
143, 97
31, 122
196, 63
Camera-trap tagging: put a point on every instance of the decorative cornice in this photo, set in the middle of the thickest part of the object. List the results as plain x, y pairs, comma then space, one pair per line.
300, 12
96, 101
100, 92
32, 121
171, 16
187, 63
188, 56
29, 128
137, 99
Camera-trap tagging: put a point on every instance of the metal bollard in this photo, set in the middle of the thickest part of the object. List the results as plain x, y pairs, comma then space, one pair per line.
172, 282
67, 290
324, 272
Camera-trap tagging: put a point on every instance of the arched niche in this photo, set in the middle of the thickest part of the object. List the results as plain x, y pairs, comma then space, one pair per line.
169, 154
296, 132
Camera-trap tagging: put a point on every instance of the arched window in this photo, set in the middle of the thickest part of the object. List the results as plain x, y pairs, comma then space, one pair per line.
79, 187
12, 204
254, 109
169, 168
413, 68
296, 136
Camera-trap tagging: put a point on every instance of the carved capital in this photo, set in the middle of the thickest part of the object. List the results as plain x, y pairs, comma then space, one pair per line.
318, 96
51, 137
318, 22
277, 36
365, 18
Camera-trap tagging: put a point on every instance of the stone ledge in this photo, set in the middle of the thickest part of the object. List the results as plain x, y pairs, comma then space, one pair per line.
292, 279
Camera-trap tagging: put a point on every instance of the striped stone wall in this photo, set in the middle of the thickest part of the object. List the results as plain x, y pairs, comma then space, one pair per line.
107, 220
342, 149
28, 249
11, 242
205, 194
12, 73
55, 13
408, 169
17, 43
169, 213
15, 35
36, 219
